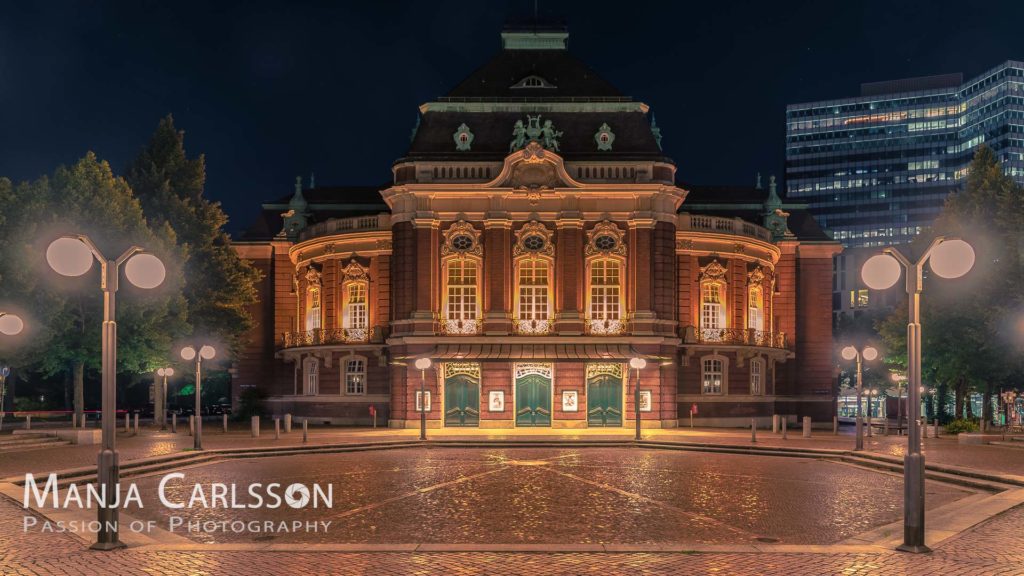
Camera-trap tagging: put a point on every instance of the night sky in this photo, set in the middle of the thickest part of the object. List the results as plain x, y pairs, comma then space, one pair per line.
271, 90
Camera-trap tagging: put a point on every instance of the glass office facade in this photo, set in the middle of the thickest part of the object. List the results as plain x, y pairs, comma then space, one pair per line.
876, 169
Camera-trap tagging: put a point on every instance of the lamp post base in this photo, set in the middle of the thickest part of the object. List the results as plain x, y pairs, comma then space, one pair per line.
917, 549
107, 546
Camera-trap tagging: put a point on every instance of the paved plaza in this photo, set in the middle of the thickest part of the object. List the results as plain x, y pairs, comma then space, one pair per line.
542, 508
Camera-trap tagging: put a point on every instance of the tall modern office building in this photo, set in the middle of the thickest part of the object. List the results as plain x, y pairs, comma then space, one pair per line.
876, 168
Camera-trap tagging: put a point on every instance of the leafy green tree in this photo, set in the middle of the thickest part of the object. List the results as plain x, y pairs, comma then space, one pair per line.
219, 286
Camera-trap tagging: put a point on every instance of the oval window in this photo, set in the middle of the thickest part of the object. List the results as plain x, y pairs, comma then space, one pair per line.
605, 242
462, 242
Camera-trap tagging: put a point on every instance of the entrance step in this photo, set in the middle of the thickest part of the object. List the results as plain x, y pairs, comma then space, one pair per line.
30, 441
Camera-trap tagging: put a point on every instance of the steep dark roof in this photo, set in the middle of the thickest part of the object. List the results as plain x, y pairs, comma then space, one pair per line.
492, 133
569, 76
747, 202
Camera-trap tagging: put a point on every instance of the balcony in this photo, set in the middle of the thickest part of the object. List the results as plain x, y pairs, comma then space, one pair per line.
325, 336
735, 337
734, 226
605, 327
343, 225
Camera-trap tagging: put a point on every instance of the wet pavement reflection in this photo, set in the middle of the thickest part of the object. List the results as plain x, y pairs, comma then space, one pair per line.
552, 495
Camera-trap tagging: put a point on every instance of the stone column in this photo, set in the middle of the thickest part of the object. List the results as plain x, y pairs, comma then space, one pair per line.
498, 280
641, 277
569, 275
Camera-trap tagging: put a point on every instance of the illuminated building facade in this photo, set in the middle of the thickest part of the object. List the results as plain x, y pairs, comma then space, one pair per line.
875, 169
532, 241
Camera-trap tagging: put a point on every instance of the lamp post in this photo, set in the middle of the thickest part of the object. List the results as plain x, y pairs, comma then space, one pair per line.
949, 258
637, 364
164, 373
206, 352
868, 353
422, 364
10, 325
73, 256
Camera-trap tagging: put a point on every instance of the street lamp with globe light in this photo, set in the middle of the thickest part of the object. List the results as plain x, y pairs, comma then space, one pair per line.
422, 364
164, 373
10, 325
73, 256
206, 352
949, 258
637, 364
868, 353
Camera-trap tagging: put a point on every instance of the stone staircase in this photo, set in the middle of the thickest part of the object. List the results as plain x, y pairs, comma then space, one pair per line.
21, 442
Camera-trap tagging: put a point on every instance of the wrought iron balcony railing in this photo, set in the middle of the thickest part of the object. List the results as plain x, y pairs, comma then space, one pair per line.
322, 336
735, 337
605, 327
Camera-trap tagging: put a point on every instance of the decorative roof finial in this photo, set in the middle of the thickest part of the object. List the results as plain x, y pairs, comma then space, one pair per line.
656, 132
758, 186
774, 217
295, 218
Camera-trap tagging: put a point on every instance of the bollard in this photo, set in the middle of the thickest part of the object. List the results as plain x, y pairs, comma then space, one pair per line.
305, 429
936, 435
174, 423
74, 420
835, 425
287, 423
753, 431
775, 423
807, 426
224, 424
136, 424
191, 425
885, 427
255, 426
277, 428
28, 421
783, 424
127, 428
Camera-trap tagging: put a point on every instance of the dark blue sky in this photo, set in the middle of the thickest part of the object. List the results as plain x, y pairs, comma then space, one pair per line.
271, 90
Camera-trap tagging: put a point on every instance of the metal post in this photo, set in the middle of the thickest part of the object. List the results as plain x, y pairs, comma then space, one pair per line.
287, 423
191, 425
198, 445
3, 393
174, 422
775, 423
224, 422
305, 429
835, 425
423, 405
136, 423
859, 432
28, 421
163, 408
636, 403
784, 424
107, 471
913, 462
74, 419
753, 431
255, 426
807, 426
277, 428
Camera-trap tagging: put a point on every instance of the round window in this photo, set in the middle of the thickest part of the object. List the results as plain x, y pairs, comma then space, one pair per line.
605, 242
462, 242
533, 243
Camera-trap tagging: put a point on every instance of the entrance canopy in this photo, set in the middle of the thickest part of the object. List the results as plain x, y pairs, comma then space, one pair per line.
505, 352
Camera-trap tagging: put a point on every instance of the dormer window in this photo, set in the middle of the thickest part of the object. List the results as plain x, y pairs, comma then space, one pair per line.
533, 81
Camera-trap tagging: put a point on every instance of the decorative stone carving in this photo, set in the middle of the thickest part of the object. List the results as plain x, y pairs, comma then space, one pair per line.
756, 277
739, 248
533, 131
354, 272
312, 276
463, 239
605, 238
530, 236
714, 272
656, 132
463, 137
685, 244
604, 137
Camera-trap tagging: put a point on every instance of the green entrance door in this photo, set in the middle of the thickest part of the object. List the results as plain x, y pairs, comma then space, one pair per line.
604, 400
533, 400
461, 401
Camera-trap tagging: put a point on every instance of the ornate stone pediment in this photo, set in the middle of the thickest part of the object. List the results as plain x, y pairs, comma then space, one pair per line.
461, 238
605, 238
312, 276
354, 272
533, 238
534, 170
713, 272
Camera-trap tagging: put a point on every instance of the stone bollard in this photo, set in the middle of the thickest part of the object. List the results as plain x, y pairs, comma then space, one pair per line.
74, 420
255, 426
305, 429
287, 423
753, 431
174, 423
783, 424
28, 421
136, 424
835, 425
807, 426
936, 433
885, 427
277, 428
191, 425
127, 426
775, 423
224, 422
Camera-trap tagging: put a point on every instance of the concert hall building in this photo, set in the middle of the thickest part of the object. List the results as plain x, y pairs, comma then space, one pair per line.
531, 242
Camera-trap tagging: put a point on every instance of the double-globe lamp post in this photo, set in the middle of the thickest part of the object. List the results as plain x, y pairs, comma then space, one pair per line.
73, 256
948, 258
206, 352
10, 325
164, 373
423, 364
868, 353
637, 364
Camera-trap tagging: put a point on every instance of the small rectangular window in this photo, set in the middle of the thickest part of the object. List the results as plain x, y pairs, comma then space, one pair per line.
712, 376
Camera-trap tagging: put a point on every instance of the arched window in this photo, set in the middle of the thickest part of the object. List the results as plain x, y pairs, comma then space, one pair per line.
533, 253
713, 375
713, 318
313, 308
355, 376
311, 377
755, 308
605, 294
355, 319
757, 376
462, 255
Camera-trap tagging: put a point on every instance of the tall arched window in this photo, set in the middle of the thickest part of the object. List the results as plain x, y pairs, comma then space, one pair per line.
313, 308
606, 264
713, 318
462, 258
311, 377
755, 308
533, 253
355, 318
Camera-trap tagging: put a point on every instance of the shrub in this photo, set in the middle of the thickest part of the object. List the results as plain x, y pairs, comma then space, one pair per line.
250, 403
961, 425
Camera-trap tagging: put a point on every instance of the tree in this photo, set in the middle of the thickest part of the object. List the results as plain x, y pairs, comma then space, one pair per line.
219, 286
66, 313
